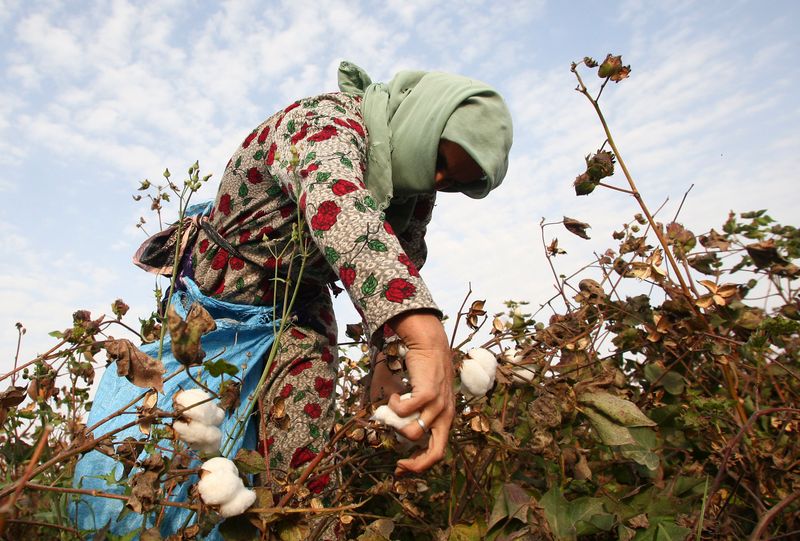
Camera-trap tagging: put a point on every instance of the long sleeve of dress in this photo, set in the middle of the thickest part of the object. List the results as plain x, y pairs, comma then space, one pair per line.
312, 156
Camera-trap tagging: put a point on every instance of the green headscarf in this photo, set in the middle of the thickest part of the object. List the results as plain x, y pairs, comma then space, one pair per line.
405, 120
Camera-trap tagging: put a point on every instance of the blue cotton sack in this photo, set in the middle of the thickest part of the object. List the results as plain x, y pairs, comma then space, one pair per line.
243, 337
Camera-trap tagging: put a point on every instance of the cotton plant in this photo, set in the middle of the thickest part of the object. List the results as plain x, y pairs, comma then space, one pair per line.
519, 373
221, 485
199, 421
478, 370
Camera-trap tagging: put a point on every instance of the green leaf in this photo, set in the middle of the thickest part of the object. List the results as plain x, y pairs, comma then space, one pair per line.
511, 502
259, 155
310, 156
466, 532
609, 432
299, 395
323, 176
370, 202
243, 191
238, 162
672, 382
274, 190
664, 530
290, 127
239, 283
346, 162
331, 255
360, 206
360, 238
556, 511
249, 461
313, 430
238, 528
219, 367
376, 245
622, 411
369, 285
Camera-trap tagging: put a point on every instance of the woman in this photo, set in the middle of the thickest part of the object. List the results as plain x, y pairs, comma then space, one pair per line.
362, 168
343, 159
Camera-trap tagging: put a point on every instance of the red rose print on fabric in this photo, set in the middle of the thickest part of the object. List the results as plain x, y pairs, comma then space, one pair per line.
220, 288
349, 123
324, 387
398, 290
347, 274
412, 269
301, 133
254, 176
312, 410
287, 210
298, 334
326, 355
300, 456
271, 263
236, 263
325, 217
343, 187
244, 236
220, 260
299, 366
203, 246
303, 202
286, 391
319, 483
388, 227
225, 204
249, 139
295, 105
271, 154
324, 134
262, 137
308, 170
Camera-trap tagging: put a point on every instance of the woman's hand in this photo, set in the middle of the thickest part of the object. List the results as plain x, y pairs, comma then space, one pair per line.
430, 371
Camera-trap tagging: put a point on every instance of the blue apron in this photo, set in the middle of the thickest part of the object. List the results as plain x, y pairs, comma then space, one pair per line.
243, 337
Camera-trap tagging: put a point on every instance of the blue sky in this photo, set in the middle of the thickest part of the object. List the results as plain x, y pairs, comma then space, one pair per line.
96, 96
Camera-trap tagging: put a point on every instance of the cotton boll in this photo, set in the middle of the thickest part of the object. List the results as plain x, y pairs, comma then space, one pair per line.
486, 360
220, 464
522, 374
512, 355
199, 436
474, 379
206, 412
238, 504
387, 416
220, 482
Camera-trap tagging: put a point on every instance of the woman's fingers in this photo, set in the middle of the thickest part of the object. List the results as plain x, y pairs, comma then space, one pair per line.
435, 451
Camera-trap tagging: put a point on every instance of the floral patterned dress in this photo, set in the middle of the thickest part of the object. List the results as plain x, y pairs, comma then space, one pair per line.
309, 157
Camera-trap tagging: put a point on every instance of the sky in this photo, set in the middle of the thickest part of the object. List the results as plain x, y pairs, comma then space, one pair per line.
96, 96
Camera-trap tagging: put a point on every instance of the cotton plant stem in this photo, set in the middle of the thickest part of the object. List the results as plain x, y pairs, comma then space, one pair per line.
41, 357
634, 190
9, 505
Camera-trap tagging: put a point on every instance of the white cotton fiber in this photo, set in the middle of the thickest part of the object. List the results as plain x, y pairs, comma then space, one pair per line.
203, 438
486, 360
207, 412
220, 464
219, 484
237, 505
474, 379
387, 416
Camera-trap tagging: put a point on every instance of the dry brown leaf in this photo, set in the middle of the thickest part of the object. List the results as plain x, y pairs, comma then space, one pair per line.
137, 367
186, 334
576, 227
